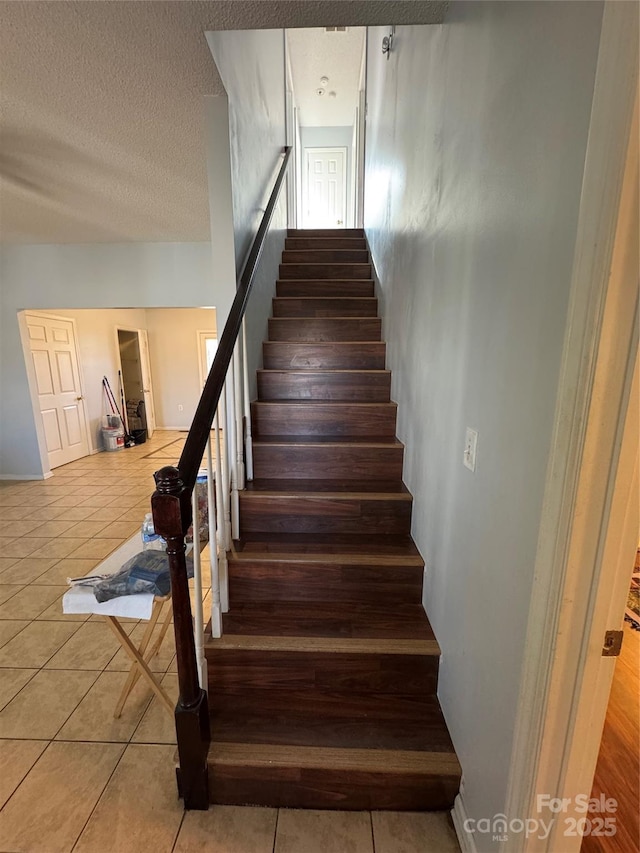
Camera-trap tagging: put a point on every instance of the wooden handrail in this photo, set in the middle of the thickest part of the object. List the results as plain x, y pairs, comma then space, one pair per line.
196, 442
171, 506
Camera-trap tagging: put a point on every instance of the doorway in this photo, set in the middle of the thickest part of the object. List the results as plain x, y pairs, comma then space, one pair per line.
325, 198
54, 380
207, 348
135, 370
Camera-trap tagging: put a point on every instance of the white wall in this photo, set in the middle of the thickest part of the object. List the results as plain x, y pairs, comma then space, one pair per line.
81, 276
475, 148
174, 369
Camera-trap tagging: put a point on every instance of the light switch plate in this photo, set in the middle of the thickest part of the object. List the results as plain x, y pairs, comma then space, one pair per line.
470, 447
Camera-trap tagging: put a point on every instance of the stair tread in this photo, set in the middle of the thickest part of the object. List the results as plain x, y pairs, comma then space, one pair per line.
330, 720
334, 440
322, 547
326, 298
389, 489
349, 759
333, 620
312, 402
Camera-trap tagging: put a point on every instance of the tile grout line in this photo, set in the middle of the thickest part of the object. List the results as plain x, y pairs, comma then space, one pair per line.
275, 832
373, 835
22, 781
95, 805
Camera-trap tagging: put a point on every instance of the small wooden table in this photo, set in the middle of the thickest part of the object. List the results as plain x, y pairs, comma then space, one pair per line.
144, 606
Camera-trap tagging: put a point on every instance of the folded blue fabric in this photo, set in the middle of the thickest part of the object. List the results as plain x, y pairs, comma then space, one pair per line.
147, 572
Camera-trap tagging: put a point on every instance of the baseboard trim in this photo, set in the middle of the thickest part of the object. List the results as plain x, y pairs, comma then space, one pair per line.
26, 476
459, 816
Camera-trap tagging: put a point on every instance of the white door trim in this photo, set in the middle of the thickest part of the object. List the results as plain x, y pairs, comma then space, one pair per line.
563, 636
31, 381
325, 149
137, 330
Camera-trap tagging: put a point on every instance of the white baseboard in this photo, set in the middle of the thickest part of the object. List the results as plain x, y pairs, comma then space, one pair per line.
459, 816
26, 476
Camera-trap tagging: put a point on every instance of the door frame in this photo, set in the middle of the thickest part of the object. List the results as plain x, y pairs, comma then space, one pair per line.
566, 682
305, 184
120, 328
201, 335
33, 394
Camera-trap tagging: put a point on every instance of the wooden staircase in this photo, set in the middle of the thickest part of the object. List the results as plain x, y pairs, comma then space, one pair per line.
322, 690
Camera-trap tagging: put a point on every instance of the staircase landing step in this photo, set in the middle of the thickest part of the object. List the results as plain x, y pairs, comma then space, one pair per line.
281, 775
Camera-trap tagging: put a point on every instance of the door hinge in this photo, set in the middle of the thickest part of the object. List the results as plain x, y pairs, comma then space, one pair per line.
612, 644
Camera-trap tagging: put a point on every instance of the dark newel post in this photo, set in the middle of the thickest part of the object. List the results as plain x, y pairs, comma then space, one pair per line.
171, 505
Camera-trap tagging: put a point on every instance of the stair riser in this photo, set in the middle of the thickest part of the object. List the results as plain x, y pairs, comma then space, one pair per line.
297, 514
318, 287
347, 462
325, 329
351, 386
319, 270
331, 356
347, 790
324, 419
326, 256
339, 233
246, 671
269, 581
297, 243
324, 307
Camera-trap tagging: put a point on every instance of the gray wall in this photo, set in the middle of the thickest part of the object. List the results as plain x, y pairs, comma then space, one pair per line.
126, 275
252, 67
475, 149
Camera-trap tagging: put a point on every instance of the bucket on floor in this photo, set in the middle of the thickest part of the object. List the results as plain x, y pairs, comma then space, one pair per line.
112, 438
139, 435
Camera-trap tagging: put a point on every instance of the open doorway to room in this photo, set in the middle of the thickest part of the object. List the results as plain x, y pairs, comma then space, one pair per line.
161, 353
135, 384
325, 81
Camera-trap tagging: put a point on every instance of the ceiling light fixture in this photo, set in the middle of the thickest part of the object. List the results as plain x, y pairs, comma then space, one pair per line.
324, 81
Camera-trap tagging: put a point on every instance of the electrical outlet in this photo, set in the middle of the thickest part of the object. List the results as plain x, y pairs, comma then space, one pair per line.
180, 407
470, 447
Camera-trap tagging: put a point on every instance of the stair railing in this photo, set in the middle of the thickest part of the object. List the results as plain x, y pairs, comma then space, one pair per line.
224, 405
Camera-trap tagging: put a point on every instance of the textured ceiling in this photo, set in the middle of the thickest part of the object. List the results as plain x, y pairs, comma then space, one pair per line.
102, 136
315, 53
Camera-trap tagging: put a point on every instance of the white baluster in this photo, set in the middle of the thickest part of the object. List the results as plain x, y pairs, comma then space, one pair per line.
216, 611
222, 509
198, 629
226, 475
239, 413
232, 456
248, 441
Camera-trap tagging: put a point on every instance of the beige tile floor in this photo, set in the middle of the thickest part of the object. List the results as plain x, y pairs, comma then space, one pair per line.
72, 777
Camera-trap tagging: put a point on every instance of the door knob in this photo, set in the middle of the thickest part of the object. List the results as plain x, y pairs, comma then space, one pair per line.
79, 398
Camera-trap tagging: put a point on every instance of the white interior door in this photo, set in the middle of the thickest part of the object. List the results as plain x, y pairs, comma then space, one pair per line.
57, 379
326, 188
147, 387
